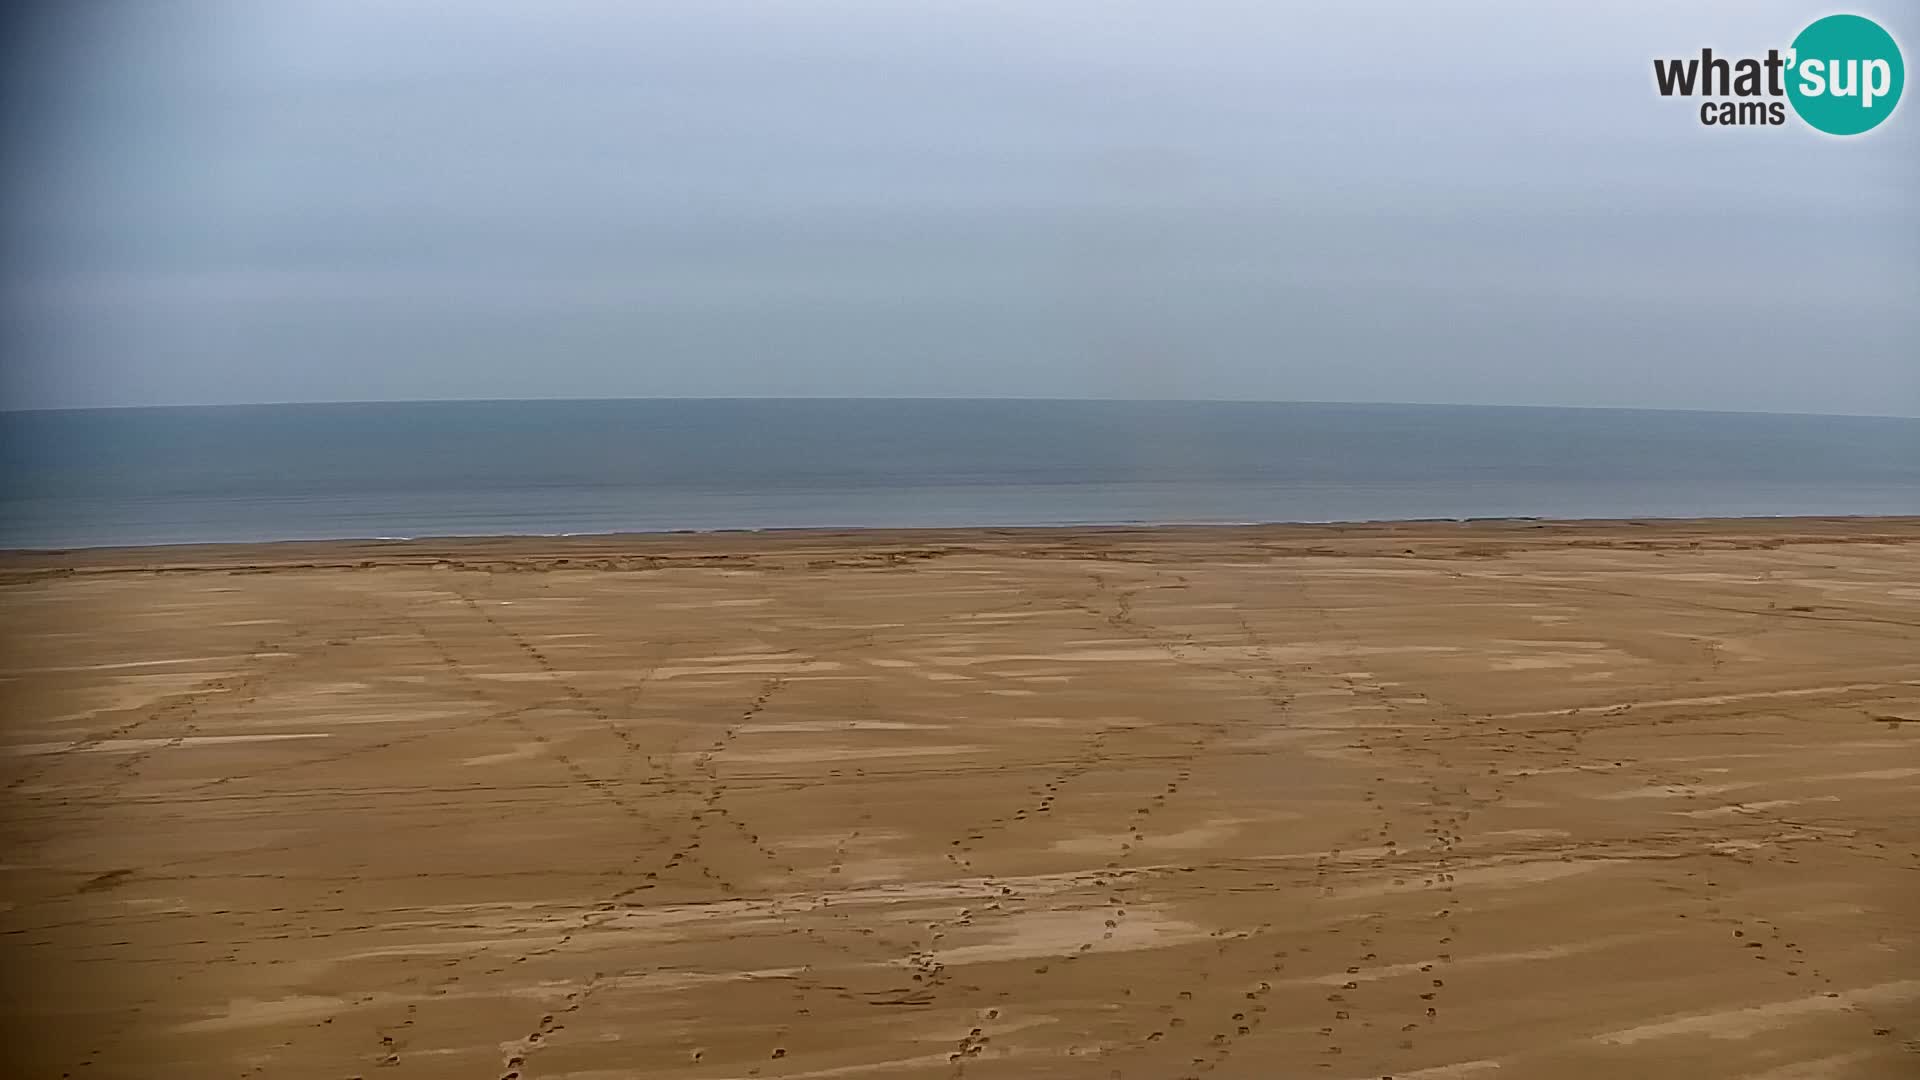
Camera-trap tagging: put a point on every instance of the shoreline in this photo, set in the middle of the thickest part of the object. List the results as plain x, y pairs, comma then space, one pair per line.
678, 544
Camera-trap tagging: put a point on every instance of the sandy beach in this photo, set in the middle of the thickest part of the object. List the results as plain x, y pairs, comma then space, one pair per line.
1437, 801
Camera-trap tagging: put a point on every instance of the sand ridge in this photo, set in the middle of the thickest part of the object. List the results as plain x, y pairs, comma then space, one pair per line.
1421, 800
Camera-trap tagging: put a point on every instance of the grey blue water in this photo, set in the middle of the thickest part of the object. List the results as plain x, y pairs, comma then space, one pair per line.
275, 472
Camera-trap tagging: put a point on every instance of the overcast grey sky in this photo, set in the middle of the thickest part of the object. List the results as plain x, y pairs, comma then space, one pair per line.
373, 199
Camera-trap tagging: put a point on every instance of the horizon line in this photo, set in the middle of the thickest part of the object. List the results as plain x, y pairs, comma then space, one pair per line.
11, 411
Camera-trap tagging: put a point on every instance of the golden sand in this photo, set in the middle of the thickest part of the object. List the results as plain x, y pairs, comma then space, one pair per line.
1431, 801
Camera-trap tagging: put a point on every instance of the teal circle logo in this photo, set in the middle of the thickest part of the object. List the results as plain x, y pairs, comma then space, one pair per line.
1845, 75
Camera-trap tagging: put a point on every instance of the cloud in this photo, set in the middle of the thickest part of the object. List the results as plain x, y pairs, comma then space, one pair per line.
1486, 202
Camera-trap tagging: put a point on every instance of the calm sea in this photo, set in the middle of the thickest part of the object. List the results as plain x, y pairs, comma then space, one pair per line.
177, 475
